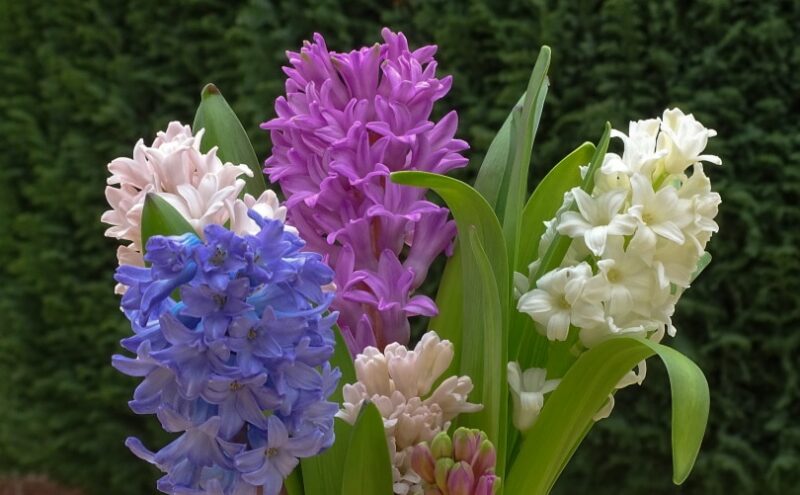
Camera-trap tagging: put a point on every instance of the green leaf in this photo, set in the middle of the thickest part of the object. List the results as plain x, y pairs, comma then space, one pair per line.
323, 472
508, 157
489, 181
702, 264
341, 359
558, 248
484, 353
567, 414
224, 130
449, 323
294, 483
468, 208
524, 124
545, 201
160, 218
526, 345
367, 466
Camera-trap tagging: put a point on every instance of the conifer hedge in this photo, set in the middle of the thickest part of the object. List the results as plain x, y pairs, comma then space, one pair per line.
81, 80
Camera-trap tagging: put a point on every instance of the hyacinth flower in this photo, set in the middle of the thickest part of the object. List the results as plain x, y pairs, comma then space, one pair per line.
461, 466
347, 121
239, 366
200, 186
399, 381
636, 240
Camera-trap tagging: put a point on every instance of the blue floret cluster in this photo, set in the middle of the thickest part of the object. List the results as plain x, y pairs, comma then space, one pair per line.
233, 343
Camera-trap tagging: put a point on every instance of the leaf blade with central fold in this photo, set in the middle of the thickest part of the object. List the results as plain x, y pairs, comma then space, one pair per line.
568, 411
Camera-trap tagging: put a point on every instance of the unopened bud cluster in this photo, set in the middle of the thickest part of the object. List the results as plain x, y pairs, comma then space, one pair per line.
461, 466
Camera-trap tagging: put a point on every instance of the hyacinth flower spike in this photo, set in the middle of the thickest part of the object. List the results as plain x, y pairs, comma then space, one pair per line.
249, 337
346, 122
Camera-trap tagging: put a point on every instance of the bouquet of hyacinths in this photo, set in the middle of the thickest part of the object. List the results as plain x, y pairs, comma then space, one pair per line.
274, 339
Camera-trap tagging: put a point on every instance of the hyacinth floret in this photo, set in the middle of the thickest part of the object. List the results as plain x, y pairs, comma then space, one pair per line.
347, 121
239, 365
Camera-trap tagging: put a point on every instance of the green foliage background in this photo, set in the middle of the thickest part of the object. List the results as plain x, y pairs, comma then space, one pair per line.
82, 80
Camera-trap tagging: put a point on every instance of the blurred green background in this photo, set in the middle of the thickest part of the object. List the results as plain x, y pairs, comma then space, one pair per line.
82, 80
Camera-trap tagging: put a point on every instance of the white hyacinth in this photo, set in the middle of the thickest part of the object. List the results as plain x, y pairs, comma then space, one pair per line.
527, 391
399, 381
202, 188
637, 238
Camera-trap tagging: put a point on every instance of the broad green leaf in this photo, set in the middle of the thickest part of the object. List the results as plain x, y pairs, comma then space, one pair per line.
489, 181
468, 208
558, 248
449, 323
509, 153
484, 353
367, 466
160, 218
545, 201
224, 130
294, 483
567, 414
527, 346
323, 472
524, 123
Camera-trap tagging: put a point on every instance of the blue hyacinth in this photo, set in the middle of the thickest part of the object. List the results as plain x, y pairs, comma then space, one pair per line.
238, 365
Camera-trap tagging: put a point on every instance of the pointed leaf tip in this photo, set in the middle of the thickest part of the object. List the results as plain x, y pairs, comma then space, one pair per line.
209, 89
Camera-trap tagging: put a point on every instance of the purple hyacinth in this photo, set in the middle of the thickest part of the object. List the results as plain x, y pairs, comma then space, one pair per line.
347, 121
239, 366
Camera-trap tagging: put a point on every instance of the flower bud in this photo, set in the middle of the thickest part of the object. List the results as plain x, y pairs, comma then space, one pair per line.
488, 484
442, 446
423, 463
460, 480
486, 459
466, 443
443, 466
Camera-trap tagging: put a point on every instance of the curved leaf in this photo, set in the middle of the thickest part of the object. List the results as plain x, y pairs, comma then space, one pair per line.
484, 353
325, 470
224, 130
558, 248
321, 473
367, 466
160, 218
468, 208
567, 414
449, 323
545, 201
293, 484
489, 181
524, 123
495, 174
341, 359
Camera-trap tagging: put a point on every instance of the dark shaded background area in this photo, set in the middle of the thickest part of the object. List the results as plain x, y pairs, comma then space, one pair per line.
82, 80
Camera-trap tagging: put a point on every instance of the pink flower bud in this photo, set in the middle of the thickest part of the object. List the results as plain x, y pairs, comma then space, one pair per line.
423, 463
488, 484
466, 443
442, 446
443, 466
486, 459
460, 480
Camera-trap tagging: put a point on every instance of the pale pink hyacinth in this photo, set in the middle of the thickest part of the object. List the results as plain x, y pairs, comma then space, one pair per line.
399, 382
202, 188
